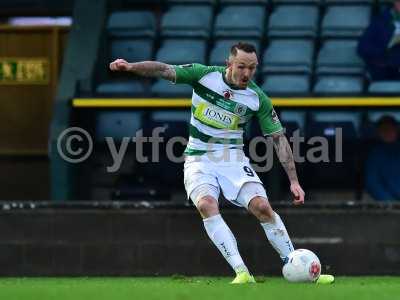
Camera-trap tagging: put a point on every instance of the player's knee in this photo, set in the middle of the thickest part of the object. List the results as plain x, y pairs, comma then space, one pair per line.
207, 206
262, 210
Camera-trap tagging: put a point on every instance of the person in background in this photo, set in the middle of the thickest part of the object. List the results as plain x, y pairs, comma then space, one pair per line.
379, 46
382, 178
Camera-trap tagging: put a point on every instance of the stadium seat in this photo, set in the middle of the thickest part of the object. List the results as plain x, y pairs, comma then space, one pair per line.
346, 2
187, 22
385, 87
345, 21
292, 121
341, 149
279, 2
220, 52
132, 24
160, 176
339, 57
288, 56
132, 49
240, 21
241, 2
175, 51
293, 21
117, 124
164, 88
368, 133
175, 124
369, 128
286, 84
191, 2
374, 116
134, 3
334, 85
323, 123
128, 88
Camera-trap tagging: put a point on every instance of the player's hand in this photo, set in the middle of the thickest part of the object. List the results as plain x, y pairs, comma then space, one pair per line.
298, 193
119, 65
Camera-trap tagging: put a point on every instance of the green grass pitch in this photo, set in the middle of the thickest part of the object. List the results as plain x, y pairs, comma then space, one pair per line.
180, 288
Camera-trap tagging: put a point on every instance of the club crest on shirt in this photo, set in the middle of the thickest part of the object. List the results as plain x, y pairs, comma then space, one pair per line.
240, 109
274, 116
228, 94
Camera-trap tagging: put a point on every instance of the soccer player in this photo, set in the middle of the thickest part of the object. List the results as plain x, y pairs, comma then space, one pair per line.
224, 99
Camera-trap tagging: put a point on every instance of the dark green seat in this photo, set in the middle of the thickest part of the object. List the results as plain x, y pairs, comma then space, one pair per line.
182, 51
345, 21
239, 21
334, 85
293, 21
288, 56
187, 22
339, 57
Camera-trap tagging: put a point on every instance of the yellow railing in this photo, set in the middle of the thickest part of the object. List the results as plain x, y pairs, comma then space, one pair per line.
277, 102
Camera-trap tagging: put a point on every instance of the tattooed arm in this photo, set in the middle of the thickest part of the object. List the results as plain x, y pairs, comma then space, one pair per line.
145, 69
285, 156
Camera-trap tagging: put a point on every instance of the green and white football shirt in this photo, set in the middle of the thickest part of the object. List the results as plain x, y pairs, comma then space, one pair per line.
220, 112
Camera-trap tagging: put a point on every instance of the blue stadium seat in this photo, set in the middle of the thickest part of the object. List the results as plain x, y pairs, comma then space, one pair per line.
191, 2
335, 85
132, 49
369, 132
391, 87
187, 22
279, 2
160, 176
240, 22
132, 24
339, 57
286, 84
176, 51
347, 2
242, 2
219, 54
293, 21
175, 124
117, 124
127, 88
345, 21
324, 123
374, 116
288, 56
292, 121
342, 166
164, 88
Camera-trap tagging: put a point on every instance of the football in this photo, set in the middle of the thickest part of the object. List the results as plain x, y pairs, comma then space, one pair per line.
302, 266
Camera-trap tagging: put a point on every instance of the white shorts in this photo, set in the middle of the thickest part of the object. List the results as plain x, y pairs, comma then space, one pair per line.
228, 175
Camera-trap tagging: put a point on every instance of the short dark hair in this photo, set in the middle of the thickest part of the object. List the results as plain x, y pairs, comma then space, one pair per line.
246, 47
386, 119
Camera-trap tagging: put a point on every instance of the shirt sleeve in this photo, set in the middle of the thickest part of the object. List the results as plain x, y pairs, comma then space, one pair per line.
267, 117
190, 73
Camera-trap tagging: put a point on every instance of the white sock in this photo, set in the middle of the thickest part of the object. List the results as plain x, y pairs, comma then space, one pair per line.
224, 240
278, 237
